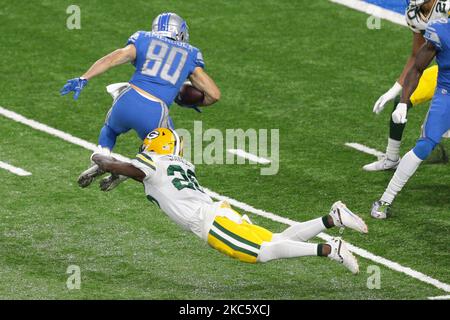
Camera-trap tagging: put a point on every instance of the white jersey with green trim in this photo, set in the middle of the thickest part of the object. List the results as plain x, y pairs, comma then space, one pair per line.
171, 183
418, 22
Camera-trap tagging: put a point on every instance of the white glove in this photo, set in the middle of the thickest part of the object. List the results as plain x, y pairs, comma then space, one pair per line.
399, 115
385, 98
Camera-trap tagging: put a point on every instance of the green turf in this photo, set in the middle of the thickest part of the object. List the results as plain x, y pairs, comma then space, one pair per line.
310, 69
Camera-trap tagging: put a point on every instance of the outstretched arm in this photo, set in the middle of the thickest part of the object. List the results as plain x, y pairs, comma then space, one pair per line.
115, 58
204, 83
418, 41
114, 166
425, 55
392, 93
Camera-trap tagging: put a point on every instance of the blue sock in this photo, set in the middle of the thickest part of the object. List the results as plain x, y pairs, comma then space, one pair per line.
107, 138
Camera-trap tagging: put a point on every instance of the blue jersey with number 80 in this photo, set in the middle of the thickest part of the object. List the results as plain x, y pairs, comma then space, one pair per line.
162, 65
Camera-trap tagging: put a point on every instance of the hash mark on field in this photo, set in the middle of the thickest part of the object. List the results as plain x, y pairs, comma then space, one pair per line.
249, 156
439, 298
365, 149
15, 170
359, 251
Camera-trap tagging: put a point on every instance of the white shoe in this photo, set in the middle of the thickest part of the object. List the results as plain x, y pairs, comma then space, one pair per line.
341, 254
383, 164
112, 181
89, 175
380, 210
343, 217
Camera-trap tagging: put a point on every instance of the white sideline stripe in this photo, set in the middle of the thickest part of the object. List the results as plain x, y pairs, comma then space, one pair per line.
243, 154
15, 170
365, 149
363, 253
52, 131
374, 10
439, 298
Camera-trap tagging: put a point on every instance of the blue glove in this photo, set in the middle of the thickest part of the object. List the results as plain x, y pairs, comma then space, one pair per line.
75, 85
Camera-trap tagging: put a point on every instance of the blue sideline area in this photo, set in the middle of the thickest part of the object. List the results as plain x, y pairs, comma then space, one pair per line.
393, 5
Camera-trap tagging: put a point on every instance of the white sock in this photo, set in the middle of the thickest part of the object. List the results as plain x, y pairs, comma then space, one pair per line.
286, 249
405, 170
101, 150
393, 149
104, 151
301, 231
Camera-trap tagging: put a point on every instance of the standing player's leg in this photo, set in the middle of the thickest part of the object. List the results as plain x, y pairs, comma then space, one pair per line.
423, 93
147, 115
436, 124
113, 127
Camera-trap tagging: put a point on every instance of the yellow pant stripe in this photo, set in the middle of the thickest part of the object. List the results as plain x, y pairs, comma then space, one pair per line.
237, 240
233, 246
236, 236
225, 249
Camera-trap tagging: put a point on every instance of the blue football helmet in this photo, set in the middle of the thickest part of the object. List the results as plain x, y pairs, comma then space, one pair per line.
172, 26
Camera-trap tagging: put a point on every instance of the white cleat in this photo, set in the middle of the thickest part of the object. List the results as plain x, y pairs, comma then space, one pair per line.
112, 181
383, 164
380, 210
343, 217
89, 175
341, 254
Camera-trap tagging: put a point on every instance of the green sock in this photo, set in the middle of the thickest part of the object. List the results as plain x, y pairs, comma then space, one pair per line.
396, 129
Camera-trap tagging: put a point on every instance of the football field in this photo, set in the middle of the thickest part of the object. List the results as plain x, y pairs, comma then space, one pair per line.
311, 69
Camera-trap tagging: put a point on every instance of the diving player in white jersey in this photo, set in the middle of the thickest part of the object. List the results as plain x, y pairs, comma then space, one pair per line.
171, 183
418, 15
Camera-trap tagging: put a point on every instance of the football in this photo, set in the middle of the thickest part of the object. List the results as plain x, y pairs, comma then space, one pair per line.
189, 95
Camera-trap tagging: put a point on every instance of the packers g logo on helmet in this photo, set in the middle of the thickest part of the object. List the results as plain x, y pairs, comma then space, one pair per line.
163, 141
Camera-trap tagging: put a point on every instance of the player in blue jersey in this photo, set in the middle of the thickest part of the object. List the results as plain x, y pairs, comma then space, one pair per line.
164, 60
437, 122
418, 14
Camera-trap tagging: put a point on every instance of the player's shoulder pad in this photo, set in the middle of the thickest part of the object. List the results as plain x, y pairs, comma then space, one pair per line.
135, 36
414, 20
434, 32
170, 157
198, 56
146, 159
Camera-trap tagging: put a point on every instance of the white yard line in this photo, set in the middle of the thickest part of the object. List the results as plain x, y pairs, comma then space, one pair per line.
365, 149
249, 156
373, 10
439, 298
15, 170
359, 251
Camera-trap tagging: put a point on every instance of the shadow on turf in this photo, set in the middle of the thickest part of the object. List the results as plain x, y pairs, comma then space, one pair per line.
433, 195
